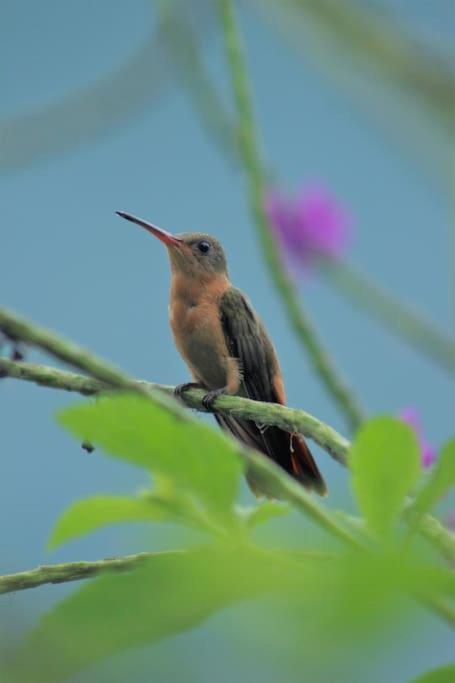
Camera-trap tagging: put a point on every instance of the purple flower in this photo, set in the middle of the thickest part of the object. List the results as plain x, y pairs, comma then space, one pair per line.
428, 453
309, 225
450, 521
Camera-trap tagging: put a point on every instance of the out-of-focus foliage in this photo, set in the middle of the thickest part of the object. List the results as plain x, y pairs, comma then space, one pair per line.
385, 465
345, 594
340, 595
149, 436
175, 592
90, 514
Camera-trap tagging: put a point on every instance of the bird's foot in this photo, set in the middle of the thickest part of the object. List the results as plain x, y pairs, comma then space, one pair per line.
209, 398
181, 388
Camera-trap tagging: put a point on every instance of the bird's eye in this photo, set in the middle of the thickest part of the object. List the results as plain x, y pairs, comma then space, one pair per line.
203, 246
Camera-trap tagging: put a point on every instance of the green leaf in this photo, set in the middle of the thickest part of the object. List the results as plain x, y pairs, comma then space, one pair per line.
441, 480
199, 460
170, 594
90, 514
445, 674
258, 514
384, 460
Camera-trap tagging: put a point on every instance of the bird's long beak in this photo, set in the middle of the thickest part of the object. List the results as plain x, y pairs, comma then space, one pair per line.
166, 237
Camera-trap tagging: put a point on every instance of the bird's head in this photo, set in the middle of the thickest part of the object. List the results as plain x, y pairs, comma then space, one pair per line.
192, 253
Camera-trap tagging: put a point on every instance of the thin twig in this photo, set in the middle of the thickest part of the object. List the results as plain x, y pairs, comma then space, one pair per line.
251, 157
73, 571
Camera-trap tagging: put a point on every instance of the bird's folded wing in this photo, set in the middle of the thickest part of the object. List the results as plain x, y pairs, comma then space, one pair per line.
248, 341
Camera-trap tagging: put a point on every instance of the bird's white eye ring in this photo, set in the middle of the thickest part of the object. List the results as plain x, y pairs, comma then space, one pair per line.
203, 246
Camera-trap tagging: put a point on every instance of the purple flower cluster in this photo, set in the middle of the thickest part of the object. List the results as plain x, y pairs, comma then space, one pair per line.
428, 453
310, 225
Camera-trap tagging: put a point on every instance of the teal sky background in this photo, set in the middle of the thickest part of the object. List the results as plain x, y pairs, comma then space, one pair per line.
71, 264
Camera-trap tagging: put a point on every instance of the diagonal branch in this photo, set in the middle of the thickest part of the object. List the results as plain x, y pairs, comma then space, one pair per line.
19, 329
290, 419
287, 418
279, 482
73, 571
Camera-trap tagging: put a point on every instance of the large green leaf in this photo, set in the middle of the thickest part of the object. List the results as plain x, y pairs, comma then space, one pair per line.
384, 460
199, 460
441, 480
90, 514
175, 591
171, 593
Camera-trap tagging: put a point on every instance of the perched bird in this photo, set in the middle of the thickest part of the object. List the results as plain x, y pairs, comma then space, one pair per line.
227, 349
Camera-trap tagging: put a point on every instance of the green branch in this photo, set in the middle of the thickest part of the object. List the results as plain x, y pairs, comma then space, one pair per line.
248, 147
278, 481
290, 419
72, 571
19, 329
402, 321
77, 571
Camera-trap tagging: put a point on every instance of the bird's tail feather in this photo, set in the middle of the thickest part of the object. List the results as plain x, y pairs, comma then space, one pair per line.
290, 451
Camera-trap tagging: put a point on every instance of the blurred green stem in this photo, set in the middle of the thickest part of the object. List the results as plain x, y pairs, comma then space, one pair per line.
73, 571
77, 571
399, 319
250, 154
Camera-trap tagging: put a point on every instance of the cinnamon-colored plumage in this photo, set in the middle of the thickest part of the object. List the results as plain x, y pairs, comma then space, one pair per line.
228, 350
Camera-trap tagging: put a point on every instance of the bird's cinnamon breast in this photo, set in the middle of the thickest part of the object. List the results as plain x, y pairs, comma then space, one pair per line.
196, 326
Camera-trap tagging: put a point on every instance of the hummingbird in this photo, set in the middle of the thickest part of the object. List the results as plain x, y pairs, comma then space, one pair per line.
227, 349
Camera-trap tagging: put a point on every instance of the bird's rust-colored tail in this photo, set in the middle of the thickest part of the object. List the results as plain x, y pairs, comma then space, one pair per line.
290, 451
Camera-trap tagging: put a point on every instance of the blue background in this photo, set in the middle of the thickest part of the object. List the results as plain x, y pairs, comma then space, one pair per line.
71, 264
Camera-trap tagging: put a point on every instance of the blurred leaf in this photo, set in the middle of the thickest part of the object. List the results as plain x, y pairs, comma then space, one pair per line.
200, 461
441, 480
170, 594
384, 460
258, 514
445, 674
90, 514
